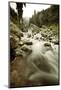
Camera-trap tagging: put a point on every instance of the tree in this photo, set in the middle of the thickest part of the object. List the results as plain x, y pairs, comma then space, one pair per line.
20, 10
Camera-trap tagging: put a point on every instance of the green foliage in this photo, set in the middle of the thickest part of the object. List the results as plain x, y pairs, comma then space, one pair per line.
46, 17
54, 28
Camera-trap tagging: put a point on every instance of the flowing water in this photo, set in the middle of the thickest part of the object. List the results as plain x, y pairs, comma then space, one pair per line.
43, 61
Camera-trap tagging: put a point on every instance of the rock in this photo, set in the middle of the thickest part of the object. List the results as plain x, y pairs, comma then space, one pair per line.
44, 34
35, 33
42, 38
13, 28
14, 36
21, 43
26, 48
43, 26
19, 52
34, 28
37, 36
55, 41
29, 43
50, 38
26, 41
29, 33
19, 34
23, 51
47, 44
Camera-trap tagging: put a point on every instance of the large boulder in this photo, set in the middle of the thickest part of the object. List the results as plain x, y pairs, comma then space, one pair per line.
15, 30
26, 48
19, 52
34, 28
27, 41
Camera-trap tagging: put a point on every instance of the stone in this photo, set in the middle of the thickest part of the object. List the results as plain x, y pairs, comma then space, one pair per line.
27, 41
34, 28
44, 34
55, 41
37, 36
47, 44
26, 48
50, 38
43, 26
21, 43
13, 28
19, 52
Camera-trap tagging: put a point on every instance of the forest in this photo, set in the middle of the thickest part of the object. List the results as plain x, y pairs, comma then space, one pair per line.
46, 17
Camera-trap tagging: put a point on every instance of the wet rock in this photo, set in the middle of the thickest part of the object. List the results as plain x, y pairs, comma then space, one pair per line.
34, 28
37, 36
26, 41
19, 52
47, 44
21, 43
14, 36
44, 34
19, 34
50, 38
15, 30
26, 48
55, 41
42, 38
29, 33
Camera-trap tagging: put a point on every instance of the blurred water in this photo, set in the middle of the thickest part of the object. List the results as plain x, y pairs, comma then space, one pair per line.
43, 61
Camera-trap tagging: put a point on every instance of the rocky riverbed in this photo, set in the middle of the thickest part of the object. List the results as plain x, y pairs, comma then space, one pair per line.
33, 56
